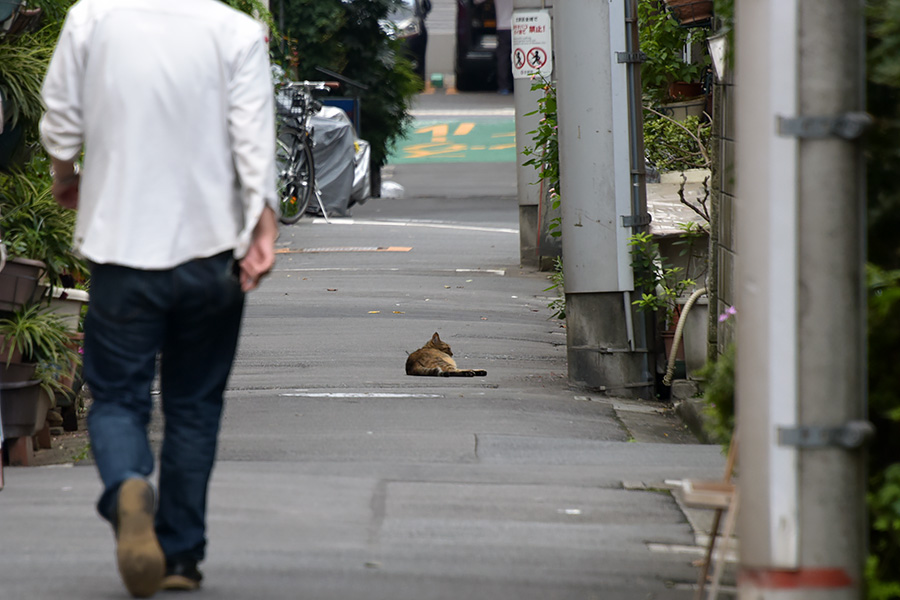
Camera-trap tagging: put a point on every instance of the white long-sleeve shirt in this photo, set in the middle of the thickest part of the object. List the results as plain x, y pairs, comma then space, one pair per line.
172, 103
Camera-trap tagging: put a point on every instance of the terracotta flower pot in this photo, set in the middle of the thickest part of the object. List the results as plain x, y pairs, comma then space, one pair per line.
682, 90
691, 12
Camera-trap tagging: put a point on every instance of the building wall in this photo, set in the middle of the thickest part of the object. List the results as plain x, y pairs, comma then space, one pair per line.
725, 245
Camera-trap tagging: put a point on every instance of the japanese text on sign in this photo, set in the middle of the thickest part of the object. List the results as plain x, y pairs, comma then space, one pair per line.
531, 44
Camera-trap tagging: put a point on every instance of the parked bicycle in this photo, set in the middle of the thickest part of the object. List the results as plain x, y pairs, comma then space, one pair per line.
294, 154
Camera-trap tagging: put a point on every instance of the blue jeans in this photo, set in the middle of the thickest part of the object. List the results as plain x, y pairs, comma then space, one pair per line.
191, 316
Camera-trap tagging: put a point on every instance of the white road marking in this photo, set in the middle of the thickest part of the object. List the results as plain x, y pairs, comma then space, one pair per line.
318, 221
356, 395
498, 272
472, 112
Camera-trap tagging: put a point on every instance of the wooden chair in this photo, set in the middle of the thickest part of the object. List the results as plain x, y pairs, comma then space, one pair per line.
722, 496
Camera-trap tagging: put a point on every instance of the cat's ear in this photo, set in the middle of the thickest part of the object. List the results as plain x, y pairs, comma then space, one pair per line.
435, 338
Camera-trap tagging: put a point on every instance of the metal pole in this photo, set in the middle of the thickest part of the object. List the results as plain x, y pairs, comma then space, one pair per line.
596, 166
800, 373
644, 328
529, 194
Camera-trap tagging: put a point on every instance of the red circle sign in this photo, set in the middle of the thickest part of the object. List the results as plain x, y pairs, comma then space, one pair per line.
519, 58
537, 58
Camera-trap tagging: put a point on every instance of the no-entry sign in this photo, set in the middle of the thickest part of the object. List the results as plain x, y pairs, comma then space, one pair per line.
531, 44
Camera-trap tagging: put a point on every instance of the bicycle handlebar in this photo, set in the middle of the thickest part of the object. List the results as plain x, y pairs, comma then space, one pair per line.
312, 85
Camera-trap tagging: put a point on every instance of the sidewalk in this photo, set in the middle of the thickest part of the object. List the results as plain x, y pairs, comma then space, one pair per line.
340, 477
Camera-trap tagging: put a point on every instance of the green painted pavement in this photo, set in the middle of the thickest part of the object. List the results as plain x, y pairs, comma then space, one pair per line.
466, 139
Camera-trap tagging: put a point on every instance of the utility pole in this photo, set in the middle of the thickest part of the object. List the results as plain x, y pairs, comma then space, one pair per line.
532, 231
800, 77
603, 200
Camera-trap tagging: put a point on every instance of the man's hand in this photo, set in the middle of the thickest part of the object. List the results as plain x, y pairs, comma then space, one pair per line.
261, 256
65, 183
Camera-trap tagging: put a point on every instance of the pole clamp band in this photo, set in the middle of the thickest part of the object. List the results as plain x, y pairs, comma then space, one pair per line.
850, 436
848, 126
631, 57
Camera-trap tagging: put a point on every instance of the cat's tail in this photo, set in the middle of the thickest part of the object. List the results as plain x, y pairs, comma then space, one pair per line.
465, 373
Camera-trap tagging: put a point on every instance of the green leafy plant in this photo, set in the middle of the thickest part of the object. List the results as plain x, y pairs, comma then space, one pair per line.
22, 69
659, 283
348, 38
664, 43
544, 154
23, 63
693, 236
884, 411
672, 145
83, 454
718, 396
558, 304
883, 501
34, 225
258, 10
883, 196
39, 334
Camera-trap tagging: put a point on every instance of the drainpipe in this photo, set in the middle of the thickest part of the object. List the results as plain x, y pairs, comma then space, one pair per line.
639, 218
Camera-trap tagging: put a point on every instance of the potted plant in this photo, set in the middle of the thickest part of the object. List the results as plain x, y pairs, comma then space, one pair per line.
68, 303
35, 334
660, 283
666, 74
35, 227
44, 343
670, 291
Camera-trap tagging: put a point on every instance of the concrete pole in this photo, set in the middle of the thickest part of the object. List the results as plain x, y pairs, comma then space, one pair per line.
604, 352
532, 240
800, 372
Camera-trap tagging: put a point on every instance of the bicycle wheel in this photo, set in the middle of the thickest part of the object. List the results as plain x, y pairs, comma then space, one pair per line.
296, 179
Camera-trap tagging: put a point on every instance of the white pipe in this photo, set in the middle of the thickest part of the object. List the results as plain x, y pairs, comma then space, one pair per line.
670, 370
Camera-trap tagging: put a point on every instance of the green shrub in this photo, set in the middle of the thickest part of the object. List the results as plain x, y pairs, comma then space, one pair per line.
659, 283
883, 189
675, 145
557, 278
718, 396
34, 225
347, 38
883, 568
663, 41
544, 155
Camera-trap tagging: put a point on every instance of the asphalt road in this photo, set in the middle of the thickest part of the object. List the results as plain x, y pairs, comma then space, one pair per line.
340, 477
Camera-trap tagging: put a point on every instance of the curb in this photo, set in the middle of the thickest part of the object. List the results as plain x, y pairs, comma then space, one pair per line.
690, 411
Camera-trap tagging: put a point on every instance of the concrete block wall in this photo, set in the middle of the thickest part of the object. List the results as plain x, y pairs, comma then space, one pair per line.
724, 138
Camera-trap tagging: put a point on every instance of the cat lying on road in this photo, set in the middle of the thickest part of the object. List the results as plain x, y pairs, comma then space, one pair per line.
434, 359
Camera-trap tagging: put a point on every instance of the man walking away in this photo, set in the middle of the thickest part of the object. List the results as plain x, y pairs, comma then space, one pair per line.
172, 104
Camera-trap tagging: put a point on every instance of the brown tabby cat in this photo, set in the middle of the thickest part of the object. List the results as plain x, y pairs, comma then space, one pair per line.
434, 359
